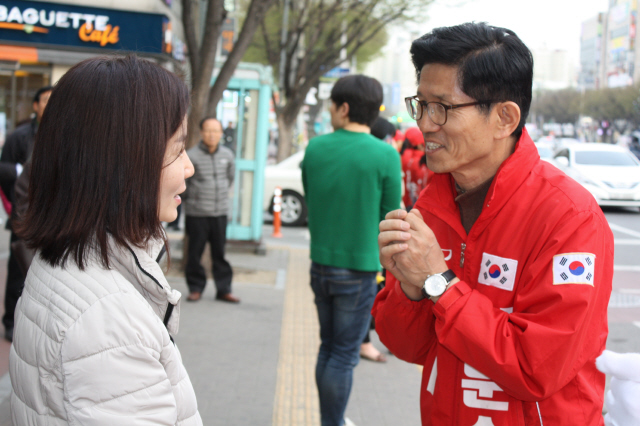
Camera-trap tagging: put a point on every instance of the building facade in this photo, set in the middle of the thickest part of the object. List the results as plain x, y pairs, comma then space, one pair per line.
41, 40
592, 56
609, 47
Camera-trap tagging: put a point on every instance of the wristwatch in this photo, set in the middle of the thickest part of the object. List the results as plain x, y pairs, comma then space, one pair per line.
436, 284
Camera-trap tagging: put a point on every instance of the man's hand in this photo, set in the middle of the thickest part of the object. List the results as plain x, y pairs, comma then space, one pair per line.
392, 240
409, 249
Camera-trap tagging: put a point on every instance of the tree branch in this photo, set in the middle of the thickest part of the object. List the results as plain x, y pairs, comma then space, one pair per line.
191, 38
255, 14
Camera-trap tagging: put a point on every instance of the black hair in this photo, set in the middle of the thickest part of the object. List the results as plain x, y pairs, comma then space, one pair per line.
209, 118
381, 128
362, 93
493, 63
98, 159
36, 97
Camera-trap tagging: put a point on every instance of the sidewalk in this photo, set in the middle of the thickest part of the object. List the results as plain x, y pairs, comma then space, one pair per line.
253, 363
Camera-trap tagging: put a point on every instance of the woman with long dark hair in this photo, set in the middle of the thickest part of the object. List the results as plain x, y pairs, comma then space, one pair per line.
92, 340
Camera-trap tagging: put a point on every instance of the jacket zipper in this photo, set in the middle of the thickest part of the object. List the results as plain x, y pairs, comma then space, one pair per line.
463, 247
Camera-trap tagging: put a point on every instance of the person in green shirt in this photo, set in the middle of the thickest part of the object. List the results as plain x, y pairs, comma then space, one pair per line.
351, 180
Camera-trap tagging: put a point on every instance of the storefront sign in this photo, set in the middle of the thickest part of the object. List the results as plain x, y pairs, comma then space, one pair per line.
28, 22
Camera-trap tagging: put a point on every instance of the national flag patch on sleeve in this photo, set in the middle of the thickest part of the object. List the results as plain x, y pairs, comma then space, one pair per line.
498, 271
574, 268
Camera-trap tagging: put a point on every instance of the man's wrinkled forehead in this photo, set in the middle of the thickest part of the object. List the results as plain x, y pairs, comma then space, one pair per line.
438, 82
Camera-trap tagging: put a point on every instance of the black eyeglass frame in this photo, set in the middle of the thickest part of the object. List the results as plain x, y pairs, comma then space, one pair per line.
424, 105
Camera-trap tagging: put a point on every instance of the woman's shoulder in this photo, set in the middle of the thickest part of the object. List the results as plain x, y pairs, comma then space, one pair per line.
72, 290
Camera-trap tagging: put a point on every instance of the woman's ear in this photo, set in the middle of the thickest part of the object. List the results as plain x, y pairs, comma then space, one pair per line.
508, 118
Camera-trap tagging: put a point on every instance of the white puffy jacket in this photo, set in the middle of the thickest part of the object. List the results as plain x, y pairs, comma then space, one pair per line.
90, 347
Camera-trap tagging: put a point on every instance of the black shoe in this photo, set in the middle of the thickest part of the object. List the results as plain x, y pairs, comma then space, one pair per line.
8, 334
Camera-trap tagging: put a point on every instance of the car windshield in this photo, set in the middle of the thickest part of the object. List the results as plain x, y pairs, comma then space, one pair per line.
604, 158
545, 152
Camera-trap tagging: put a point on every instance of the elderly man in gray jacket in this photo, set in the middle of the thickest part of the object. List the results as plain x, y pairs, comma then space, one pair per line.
206, 207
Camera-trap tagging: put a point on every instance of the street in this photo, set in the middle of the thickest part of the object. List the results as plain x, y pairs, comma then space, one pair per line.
624, 306
252, 364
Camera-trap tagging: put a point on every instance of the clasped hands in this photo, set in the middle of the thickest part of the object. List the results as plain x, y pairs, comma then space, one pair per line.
410, 251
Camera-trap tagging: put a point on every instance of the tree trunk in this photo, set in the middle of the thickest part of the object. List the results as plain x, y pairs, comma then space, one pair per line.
286, 126
197, 112
201, 58
255, 14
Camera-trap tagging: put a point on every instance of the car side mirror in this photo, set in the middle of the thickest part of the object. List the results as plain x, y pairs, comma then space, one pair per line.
562, 161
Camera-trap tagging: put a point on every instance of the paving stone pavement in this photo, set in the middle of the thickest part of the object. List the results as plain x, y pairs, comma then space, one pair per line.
253, 364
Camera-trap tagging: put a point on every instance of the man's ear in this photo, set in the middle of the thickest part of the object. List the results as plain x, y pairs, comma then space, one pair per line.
343, 110
508, 118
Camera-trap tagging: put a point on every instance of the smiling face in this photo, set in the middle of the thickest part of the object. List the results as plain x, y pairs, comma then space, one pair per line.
465, 145
177, 168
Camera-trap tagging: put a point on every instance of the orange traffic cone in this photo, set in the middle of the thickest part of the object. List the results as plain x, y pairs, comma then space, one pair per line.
277, 208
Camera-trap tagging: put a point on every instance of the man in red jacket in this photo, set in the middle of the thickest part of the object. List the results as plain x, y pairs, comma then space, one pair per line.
502, 271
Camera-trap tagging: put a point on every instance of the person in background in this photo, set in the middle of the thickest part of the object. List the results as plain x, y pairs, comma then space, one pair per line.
93, 326
15, 153
411, 156
206, 207
398, 139
499, 278
230, 137
385, 131
351, 179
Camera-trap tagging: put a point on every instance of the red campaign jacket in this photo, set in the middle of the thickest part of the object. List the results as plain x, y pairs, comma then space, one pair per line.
414, 175
520, 348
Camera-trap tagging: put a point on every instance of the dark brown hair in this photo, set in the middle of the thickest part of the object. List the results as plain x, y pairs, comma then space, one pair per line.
98, 158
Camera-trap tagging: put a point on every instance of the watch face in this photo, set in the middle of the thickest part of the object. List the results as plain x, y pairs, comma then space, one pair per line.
435, 285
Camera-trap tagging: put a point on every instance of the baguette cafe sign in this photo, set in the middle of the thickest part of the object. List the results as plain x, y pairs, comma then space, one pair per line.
51, 23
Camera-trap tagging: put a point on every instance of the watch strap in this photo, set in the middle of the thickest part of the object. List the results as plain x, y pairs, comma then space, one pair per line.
448, 275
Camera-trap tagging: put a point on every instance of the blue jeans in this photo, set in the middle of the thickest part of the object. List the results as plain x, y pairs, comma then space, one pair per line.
344, 299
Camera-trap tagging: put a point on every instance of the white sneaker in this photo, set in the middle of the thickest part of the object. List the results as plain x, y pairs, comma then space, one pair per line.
348, 422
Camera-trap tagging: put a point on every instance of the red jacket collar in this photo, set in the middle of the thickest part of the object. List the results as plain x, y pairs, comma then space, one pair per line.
439, 196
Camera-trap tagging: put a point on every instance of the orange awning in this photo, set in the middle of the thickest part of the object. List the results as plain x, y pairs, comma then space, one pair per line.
18, 53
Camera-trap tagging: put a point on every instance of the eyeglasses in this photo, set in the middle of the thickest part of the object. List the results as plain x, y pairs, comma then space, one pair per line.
436, 111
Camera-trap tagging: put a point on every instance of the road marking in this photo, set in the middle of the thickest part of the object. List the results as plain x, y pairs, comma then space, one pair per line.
626, 242
281, 279
624, 230
626, 268
624, 300
636, 323
5, 387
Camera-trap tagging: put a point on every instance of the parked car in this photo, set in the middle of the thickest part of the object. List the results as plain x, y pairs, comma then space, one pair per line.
288, 176
546, 151
610, 173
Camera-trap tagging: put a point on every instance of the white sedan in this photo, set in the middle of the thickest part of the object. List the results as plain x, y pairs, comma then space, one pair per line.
288, 176
610, 173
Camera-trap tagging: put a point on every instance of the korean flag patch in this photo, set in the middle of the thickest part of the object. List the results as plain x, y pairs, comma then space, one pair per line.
574, 268
498, 271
